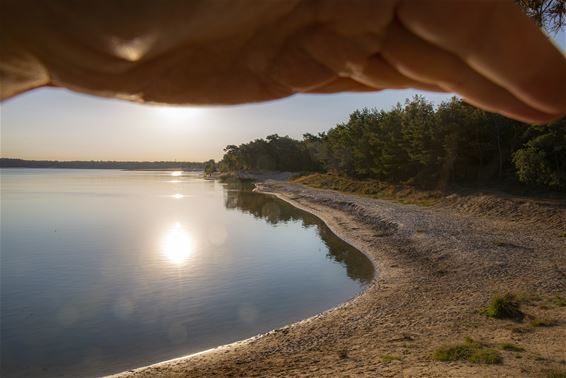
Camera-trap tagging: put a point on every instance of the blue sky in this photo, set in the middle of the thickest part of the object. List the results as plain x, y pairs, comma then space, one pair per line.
59, 124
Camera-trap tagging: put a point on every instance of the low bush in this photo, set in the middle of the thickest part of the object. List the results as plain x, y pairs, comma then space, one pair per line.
470, 350
512, 347
504, 306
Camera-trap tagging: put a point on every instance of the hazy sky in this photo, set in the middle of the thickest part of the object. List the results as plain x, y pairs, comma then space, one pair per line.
59, 124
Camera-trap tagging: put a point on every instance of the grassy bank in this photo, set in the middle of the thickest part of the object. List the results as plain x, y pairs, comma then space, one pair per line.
371, 188
538, 208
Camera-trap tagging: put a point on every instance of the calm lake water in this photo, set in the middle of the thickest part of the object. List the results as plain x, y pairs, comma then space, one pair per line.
104, 271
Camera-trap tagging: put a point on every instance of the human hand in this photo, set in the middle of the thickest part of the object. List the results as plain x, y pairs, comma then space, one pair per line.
230, 52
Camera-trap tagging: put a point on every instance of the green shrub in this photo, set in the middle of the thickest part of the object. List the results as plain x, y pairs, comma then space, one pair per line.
512, 347
470, 350
486, 356
504, 307
532, 167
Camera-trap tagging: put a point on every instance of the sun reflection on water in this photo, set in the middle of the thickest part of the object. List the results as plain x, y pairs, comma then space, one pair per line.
177, 245
176, 173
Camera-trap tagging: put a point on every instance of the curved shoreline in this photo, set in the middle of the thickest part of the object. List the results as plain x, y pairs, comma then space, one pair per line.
435, 269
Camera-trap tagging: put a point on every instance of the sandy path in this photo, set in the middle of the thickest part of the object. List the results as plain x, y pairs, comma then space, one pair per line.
435, 270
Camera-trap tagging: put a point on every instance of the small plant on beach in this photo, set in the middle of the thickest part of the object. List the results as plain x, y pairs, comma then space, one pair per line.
504, 306
387, 358
512, 347
469, 350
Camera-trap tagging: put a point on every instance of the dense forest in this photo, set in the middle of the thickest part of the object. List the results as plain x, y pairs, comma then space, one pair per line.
419, 144
97, 164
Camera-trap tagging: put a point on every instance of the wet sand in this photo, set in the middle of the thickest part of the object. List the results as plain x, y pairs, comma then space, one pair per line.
436, 268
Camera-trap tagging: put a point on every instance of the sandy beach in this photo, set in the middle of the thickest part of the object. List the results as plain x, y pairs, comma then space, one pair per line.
436, 269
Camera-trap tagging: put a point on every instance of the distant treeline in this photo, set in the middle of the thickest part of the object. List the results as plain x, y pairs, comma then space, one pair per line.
95, 164
417, 143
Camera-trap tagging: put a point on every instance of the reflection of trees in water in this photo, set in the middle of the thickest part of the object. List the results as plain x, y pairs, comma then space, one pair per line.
273, 210
357, 264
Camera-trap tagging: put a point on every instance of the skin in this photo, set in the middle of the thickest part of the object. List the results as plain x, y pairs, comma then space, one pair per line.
218, 52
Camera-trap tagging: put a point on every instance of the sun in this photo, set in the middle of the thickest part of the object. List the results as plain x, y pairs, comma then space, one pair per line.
177, 113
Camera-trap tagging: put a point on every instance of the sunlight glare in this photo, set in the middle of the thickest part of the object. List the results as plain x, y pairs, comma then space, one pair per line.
176, 173
177, 245
177, 196
176, 114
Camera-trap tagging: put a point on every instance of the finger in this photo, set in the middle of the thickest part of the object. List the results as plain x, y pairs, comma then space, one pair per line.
380, 74
19, 70
343, 84
357, 57
498, 41
424, 62
296, 69
341, 54
211, 80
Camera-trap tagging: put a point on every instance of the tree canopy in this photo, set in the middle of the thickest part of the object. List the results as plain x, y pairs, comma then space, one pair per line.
417, 143
547, 14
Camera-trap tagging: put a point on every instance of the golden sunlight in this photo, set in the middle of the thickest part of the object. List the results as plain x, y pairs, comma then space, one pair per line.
177, 245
